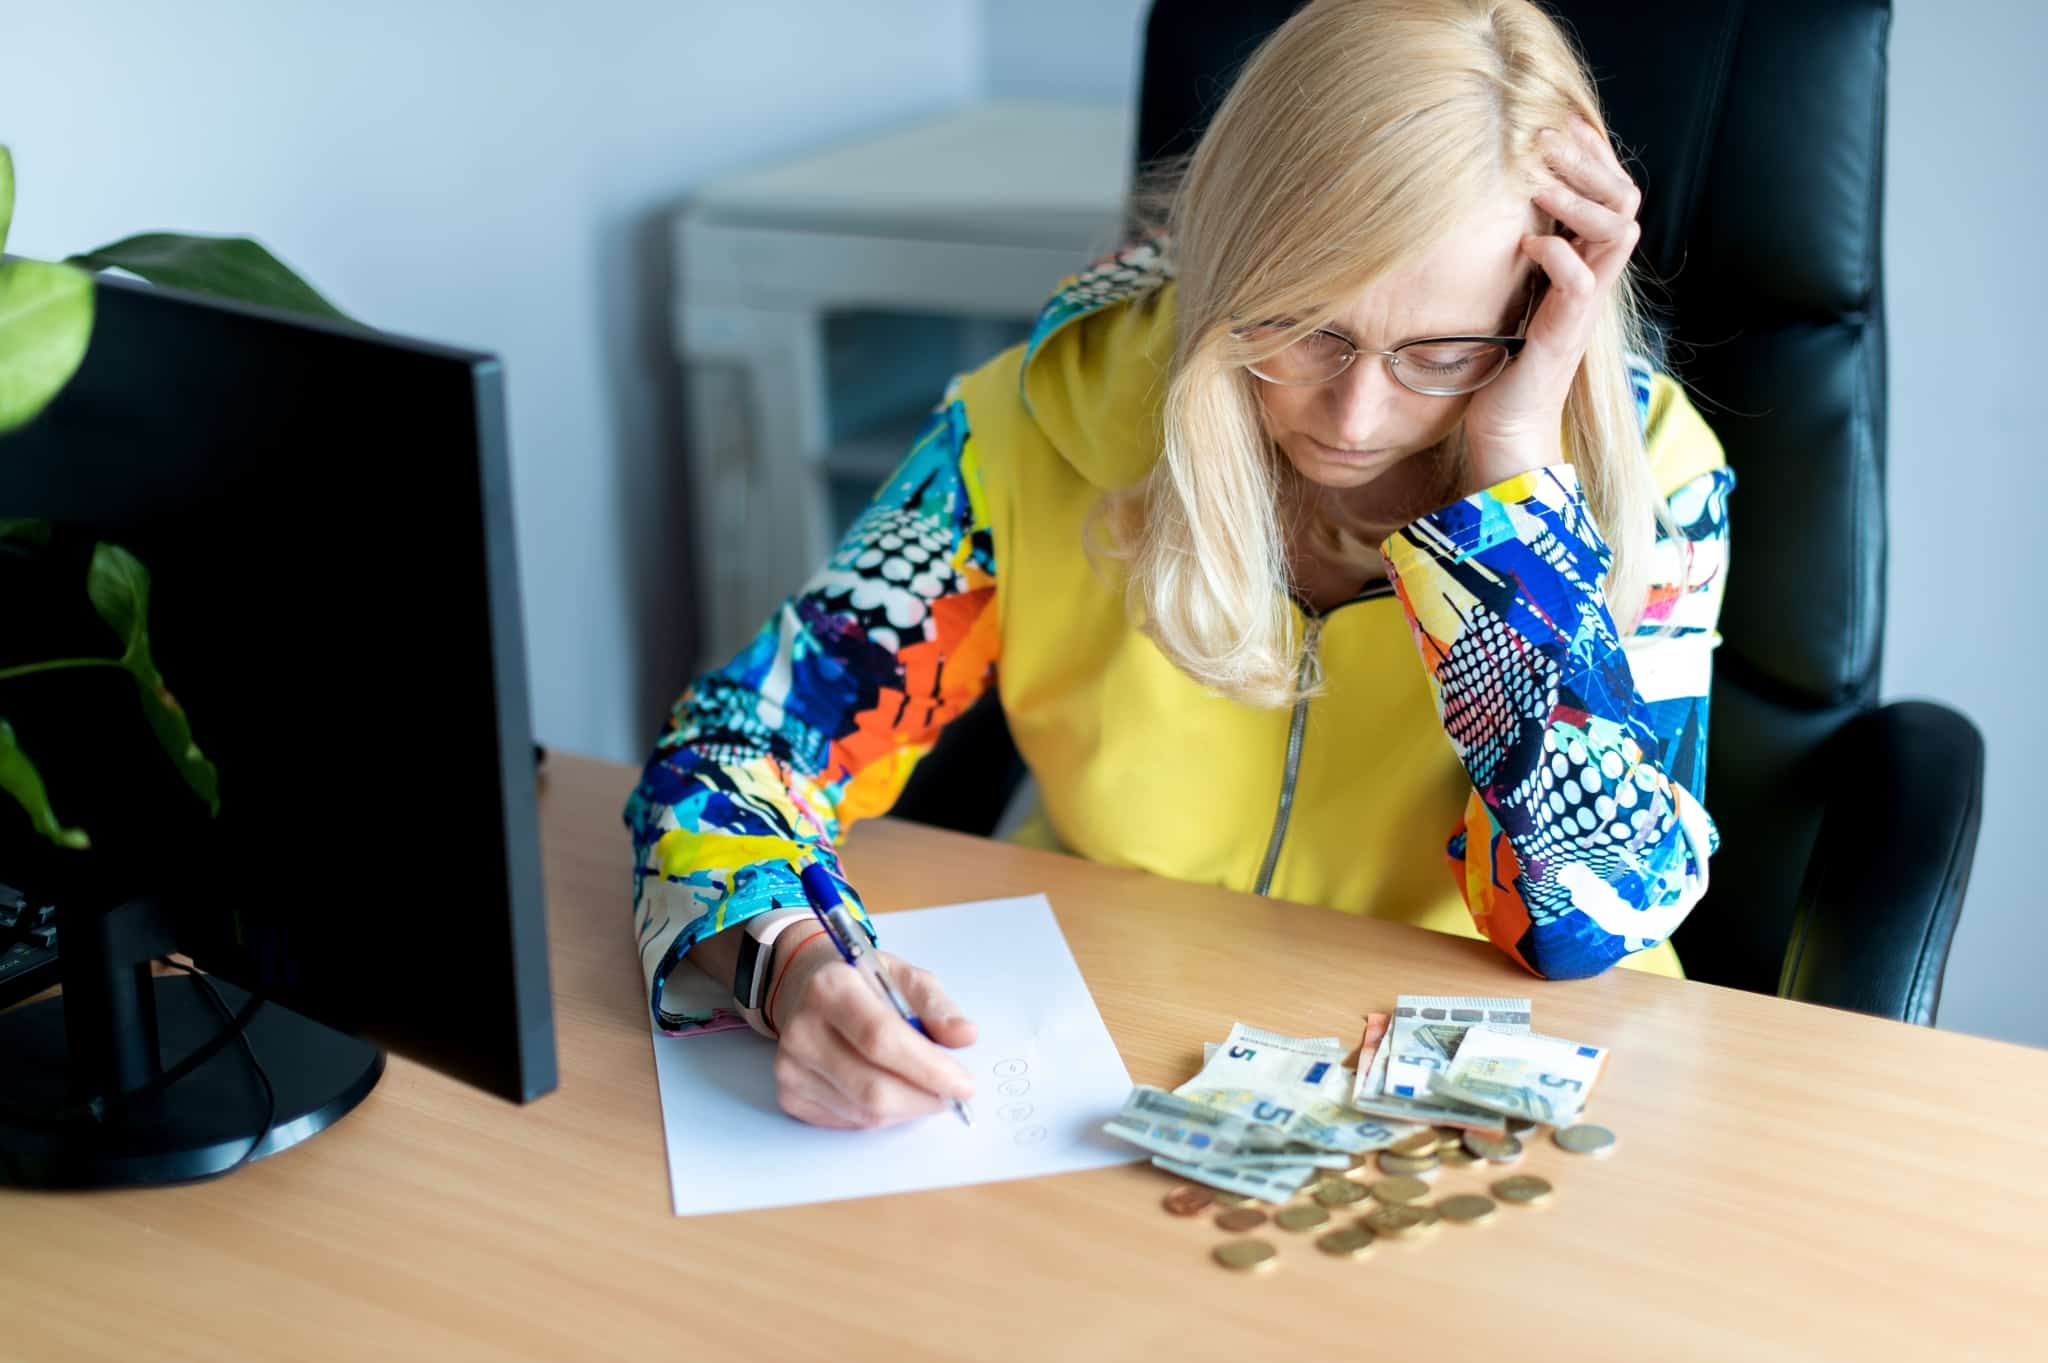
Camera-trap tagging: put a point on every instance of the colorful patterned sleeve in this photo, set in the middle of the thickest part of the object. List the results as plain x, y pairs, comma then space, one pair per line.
818, 722
1585, 838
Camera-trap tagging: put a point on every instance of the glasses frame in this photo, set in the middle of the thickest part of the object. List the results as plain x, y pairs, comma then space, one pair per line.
1512, 344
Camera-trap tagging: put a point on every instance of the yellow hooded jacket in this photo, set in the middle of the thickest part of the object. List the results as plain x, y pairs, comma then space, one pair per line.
1480, 695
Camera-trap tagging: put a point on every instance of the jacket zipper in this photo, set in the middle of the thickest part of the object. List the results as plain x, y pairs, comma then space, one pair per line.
1297, 728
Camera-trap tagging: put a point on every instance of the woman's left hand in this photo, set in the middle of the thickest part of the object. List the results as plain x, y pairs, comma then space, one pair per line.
1515, 423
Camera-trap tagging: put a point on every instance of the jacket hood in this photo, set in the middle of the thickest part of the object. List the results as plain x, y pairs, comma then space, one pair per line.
1095, 369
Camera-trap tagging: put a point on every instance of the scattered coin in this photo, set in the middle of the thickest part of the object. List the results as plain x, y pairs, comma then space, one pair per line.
1521, 1126
1246, 1256
1457, 1156
1189, 1200
1391, 1190
1307, 1216
1496, 1149
1584, 1139
1347, 1243
1339, 1192
1465, 1208
1234, 1200
1404, 1220
1240, 1219
1421, 1145
1523, 1188
1412, 1168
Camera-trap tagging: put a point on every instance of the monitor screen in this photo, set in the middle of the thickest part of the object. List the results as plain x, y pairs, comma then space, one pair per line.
325, 516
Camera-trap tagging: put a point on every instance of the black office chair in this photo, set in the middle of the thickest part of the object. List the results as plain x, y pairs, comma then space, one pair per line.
1756, 133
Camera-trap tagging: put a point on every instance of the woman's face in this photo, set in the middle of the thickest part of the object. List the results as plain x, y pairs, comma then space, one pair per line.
1361, 426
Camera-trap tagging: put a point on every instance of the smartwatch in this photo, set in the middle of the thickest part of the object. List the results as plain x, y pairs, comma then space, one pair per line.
757, 960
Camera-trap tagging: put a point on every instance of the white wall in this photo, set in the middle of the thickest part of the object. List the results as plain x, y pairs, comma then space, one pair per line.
1965, 199
1081, 50
490, 173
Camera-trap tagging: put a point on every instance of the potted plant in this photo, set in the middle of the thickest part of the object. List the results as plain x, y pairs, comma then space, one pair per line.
46, 318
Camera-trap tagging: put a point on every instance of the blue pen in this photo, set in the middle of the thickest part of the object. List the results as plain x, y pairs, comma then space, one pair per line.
852, 942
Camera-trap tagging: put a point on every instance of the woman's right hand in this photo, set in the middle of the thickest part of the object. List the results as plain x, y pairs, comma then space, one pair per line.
846, 1059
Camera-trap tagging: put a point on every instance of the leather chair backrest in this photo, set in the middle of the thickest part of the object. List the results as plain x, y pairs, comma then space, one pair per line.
1756, 133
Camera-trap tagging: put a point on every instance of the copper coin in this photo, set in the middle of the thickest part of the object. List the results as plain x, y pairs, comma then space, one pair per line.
1189, 1200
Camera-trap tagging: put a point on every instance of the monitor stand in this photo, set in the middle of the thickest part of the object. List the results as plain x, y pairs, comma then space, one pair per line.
116, 1026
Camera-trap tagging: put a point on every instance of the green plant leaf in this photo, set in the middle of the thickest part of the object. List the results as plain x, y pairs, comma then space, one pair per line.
119, 587
45, 325
30, 532
20, 779
6, 193
226, 267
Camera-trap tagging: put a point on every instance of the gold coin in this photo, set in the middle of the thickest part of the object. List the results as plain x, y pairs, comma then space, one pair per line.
1495, 1149
1240, 1219
1418, 1146
1234, 1200
1398, 1221
1391, 1190
1347, 1243
1339, 1192
1448, 1136
1523, 1188
1246, 1256
1584, 1139
1465, 1208
1307, 1216
1188, 1200
1457, 1156
1521, 1126
1410, 1168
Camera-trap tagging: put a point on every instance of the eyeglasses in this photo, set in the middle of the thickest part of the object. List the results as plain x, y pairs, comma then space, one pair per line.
1436, 366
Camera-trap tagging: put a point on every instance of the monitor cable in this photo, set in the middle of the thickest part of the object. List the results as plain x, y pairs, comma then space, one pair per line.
101, 1107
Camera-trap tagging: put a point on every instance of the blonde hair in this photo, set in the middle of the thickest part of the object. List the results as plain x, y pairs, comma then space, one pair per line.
1355, 131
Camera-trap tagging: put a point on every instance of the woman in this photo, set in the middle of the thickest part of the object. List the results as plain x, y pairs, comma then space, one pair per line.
1363, 399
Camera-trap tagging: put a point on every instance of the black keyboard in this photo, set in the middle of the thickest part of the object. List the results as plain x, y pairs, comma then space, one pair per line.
28, 946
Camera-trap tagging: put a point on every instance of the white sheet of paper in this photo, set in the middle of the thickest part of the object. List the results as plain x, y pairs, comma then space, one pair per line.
1046, 1077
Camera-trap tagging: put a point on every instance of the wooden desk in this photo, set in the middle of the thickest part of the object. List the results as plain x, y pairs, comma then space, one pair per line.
1791, 1182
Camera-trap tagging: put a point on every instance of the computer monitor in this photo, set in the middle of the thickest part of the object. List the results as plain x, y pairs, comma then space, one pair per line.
325, 514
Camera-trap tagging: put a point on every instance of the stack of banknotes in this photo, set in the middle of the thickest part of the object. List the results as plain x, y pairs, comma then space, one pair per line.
1267, 1111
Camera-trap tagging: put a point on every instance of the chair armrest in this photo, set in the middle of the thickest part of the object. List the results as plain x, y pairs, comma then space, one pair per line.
1884, 886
